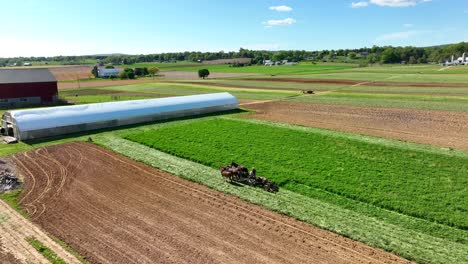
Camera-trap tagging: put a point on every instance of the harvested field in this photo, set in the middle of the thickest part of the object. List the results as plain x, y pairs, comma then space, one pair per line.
194, 75
440, 128
7, 257
14, 230
360, 82
115, 210
66, 73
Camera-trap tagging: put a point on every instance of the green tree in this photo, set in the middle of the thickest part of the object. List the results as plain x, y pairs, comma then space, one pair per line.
203, 73
389, 55
412, 60
153, 71
352, 55
127, 73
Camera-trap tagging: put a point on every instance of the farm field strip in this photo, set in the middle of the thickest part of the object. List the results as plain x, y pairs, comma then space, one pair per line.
440, 128
408, 236
161, 89
382, 176
395, 78
344, 94
240, 83
284, 69
424, 102
392, 231
155, 216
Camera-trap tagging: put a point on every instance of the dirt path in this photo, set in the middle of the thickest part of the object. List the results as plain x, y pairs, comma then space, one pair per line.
440, 128
115, 210
14, 230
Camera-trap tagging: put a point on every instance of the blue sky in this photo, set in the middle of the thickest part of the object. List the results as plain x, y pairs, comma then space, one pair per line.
59, 27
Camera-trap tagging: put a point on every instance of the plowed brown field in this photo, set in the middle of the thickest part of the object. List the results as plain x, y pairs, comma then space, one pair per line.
115, 210
440, 128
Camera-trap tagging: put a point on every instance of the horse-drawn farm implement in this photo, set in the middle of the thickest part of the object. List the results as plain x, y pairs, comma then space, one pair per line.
240, 174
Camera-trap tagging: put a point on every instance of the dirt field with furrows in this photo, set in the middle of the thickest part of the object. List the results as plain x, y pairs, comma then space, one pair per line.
66, 73
115, 210
440, 128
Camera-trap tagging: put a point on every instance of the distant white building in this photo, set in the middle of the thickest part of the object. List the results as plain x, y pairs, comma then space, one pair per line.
106, 73
463, 60
268, 63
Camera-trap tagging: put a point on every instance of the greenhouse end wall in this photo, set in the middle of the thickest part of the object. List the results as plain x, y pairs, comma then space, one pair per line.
223, 102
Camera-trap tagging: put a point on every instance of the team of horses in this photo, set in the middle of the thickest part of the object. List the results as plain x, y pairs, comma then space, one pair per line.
239, 173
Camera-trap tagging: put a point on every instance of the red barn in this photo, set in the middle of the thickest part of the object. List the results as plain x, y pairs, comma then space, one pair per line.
19, 87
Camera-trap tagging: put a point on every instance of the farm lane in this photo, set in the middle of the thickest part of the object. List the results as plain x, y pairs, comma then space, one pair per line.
115, 210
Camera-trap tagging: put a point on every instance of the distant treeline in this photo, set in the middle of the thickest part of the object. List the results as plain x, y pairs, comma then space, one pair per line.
376, 54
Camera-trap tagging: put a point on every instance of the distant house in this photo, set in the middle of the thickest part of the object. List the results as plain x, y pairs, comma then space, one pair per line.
107, 73
20, 87
268, 63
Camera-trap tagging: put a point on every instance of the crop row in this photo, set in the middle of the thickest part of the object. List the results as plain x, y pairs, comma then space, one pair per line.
425, 185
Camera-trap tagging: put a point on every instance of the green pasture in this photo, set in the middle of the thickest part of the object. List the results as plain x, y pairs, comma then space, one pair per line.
302, 68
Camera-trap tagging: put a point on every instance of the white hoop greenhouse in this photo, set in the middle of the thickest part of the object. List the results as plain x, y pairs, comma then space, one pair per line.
53, 121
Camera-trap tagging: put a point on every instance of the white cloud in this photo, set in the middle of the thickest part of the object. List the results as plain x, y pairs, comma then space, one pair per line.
408, 25
279, 22
281, 8
359, 4
389, 3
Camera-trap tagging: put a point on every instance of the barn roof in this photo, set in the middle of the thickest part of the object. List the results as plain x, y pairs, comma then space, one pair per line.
26, 76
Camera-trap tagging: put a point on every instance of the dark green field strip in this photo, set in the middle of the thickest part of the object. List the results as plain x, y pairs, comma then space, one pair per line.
45, 251
419, 184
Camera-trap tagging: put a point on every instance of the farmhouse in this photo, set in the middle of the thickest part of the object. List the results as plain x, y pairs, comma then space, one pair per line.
20, 87
52, 121
106, 73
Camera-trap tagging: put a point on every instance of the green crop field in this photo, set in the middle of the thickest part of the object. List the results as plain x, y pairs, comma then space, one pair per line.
423, 185
303, 68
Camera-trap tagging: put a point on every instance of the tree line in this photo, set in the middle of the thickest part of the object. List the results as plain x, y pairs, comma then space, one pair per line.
375, 54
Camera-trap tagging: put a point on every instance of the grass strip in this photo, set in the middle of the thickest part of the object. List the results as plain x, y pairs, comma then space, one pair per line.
45, 251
